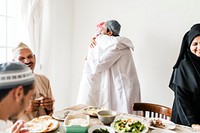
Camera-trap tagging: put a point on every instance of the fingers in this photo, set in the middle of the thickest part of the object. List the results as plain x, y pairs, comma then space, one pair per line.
92, 45
93, 42
196, 127
47, 103
35, 104
17, 126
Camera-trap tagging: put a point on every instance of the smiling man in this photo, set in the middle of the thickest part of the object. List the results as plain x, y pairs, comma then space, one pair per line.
42, 99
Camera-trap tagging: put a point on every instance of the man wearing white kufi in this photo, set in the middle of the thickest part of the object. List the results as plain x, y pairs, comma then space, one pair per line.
16, 89
42, 99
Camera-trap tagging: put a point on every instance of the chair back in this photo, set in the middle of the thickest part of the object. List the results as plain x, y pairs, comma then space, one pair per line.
153, 110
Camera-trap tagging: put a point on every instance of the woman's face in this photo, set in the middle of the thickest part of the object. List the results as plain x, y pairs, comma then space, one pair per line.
195, 46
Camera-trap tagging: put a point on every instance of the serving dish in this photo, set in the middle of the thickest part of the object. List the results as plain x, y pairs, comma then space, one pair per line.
42, 124
76, 123
106, 116
99, 127
92, 110
60, 115
162, 124
129, 125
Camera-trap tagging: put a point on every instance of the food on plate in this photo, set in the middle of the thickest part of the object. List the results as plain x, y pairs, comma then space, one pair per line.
129, 125
77, 121
157, 123
100, 131
41, 124
92, 111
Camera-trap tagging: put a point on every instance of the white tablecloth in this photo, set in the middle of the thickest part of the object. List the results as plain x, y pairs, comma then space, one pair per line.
95, 121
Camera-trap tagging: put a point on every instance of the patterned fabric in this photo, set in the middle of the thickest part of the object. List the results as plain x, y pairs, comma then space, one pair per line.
13, 74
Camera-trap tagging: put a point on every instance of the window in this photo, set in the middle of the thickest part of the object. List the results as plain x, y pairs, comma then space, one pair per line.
8, 28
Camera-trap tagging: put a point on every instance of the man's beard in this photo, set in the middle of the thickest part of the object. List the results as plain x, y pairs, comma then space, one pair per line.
17, 114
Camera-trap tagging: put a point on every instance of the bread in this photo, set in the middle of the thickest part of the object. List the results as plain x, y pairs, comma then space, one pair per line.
41, 124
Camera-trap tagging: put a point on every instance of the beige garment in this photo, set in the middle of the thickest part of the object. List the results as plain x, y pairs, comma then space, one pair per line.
42, 85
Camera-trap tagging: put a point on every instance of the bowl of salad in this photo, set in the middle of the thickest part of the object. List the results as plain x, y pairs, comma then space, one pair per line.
129, 125
100, 129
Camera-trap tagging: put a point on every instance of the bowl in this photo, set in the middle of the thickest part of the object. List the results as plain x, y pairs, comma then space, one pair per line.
106, 116
76, 123
100, 127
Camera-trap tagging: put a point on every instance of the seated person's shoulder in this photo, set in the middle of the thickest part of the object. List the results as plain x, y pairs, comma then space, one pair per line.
41, 77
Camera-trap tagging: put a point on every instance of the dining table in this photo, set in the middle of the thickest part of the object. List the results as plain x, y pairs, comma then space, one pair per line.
95, 121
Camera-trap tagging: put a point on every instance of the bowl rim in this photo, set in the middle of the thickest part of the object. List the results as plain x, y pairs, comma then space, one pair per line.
92, 128
111, 113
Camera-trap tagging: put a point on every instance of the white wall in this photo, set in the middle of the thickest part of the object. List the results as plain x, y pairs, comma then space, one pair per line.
56, 49
156, 28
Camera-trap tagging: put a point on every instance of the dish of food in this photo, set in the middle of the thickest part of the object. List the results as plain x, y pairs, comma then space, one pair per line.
76, 123
157, 123
92, 110
100, 129
60, 115
42, 124
129, 126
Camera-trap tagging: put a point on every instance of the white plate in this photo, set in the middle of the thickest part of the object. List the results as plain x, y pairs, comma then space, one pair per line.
168, 124
92, 110
38, 125
92, 128
162, 131
144, 131
60, 115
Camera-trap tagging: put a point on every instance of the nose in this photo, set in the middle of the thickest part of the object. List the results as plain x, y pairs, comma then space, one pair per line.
26, 60
198, 47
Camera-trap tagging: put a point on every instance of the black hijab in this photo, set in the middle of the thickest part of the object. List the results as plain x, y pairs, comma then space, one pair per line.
191, 65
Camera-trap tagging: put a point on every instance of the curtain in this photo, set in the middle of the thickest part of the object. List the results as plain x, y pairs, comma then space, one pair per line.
31, 25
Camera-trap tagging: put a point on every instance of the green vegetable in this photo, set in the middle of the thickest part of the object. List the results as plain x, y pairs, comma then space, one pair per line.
100, 131
128, 125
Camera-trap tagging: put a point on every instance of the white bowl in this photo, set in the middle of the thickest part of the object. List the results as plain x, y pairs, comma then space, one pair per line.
106, 116
92, 128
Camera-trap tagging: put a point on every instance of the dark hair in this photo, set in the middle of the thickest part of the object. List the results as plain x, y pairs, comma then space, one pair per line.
26, 89
112, 34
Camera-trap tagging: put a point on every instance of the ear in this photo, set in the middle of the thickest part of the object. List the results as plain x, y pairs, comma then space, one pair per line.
110, 33
18, 93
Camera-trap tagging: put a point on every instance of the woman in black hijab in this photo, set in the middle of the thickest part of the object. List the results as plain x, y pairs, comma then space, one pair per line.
185, 80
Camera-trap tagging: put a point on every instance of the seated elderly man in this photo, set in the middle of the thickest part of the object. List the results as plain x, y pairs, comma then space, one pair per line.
42, 99
16, 89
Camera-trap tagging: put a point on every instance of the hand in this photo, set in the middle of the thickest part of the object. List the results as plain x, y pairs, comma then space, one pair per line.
17, 127
196, 127
35, 104
47, 103
93, 42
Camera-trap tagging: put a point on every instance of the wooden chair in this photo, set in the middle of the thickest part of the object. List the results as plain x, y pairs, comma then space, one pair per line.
153, 110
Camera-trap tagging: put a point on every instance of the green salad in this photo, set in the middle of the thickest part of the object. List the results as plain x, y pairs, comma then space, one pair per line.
129, 125
100, 131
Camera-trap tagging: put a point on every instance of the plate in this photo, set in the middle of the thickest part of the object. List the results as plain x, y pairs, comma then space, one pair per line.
60, 115
42, 124
162, 131
92, 110
92, 128
131, 121
168, 124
